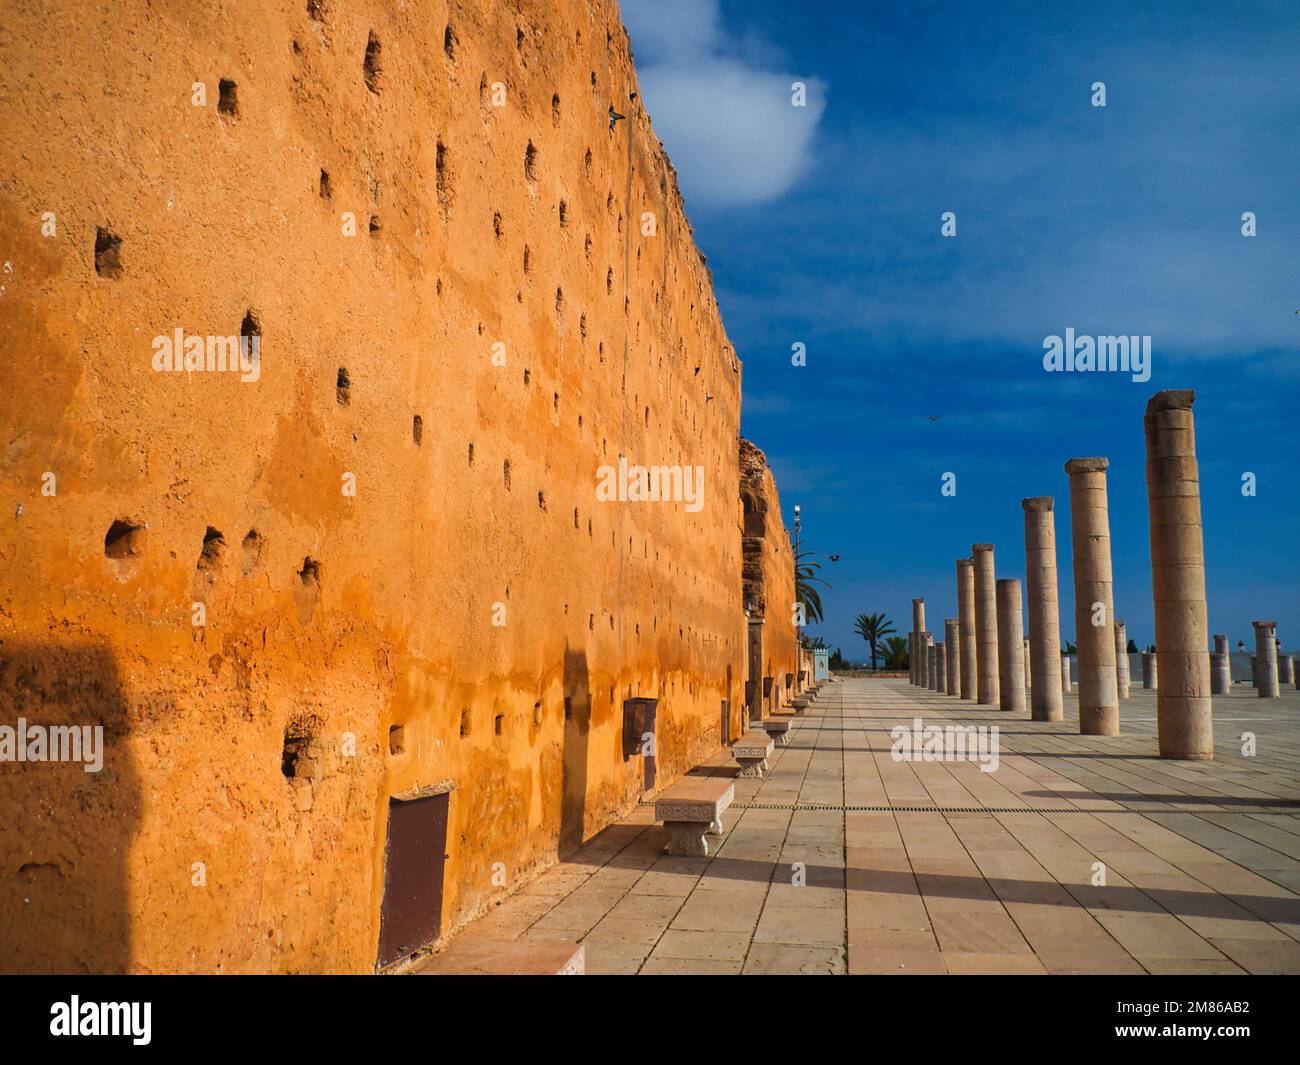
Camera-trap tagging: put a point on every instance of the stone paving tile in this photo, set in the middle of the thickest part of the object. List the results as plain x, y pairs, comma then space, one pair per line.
1121, 885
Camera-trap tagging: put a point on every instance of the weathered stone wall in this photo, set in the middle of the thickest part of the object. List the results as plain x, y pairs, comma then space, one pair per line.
469, 590
768, 567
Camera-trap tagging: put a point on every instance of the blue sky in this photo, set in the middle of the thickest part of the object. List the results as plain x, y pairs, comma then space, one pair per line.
822, 226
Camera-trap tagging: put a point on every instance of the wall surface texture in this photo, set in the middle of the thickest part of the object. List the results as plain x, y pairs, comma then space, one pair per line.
286, 599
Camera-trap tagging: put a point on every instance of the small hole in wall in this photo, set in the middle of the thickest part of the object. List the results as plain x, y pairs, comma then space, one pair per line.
528, 256
496, 224
498, 724
568, 707
309, 575
559, 302
124, 539
449, 42
372, 67
575, 517
325, 191
316, 9
537, 713
555, 109
464, 724
397, 739
519, 38
250, 552
108, 253
530, 162
227, 99
417, 429
375, 227
442, 180
582, 326
297, 759
505, 473
527, 377
343, 387
564, 215
471, 454
586, 162
213, 546
541, 500
586, 246
609, 280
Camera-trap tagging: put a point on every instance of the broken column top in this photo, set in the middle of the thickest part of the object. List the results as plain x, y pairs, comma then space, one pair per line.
1264, 624
1093, 465
980, 547
921, 600
1172, 399
1037, 503
965, 562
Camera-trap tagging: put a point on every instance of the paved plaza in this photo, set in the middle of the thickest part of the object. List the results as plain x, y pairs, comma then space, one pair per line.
937, 867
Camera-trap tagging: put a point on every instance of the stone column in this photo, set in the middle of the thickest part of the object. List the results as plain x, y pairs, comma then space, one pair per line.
1047, 674
1011, 647
953, 654
1148, 670
1094, 608
918, 648
941, 669
1285, 670
966, 623
1122, 678
1066, 686
929, 661
986, 625
1266, 659
1220, 667
1028, 664
1184, 710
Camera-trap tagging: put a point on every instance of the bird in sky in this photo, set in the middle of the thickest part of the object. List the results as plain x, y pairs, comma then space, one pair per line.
834, 558
614, 117
934, 417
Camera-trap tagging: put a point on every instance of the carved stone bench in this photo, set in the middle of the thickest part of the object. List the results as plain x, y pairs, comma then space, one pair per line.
751, 752
778, 728
692, 807
800, 704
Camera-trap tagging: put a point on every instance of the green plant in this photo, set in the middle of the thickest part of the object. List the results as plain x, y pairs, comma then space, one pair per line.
805, 580
873, 628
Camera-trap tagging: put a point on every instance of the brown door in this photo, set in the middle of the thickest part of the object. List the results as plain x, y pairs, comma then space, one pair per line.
411, 915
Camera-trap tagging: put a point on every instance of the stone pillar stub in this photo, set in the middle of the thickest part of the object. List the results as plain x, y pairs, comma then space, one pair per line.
1011, 647
966, 627
1150, 670
986, 625
1285, 670
1266, 683
1220, 673
917, 650
1184, 705
940, 669
952, 652
1046, 678
1066, 686
1123, 680
1094, 606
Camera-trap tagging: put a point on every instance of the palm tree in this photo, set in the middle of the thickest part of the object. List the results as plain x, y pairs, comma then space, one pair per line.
896, 653
805, 578
873, 628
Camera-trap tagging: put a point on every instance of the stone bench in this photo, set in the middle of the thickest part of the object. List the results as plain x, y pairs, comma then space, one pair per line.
474, 956
751, 752
692, 807
800, 704
778, 728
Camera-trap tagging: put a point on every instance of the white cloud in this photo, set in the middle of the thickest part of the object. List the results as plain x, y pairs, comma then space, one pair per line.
728, 122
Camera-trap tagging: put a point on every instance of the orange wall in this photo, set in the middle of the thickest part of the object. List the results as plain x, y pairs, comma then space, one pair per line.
612, 340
